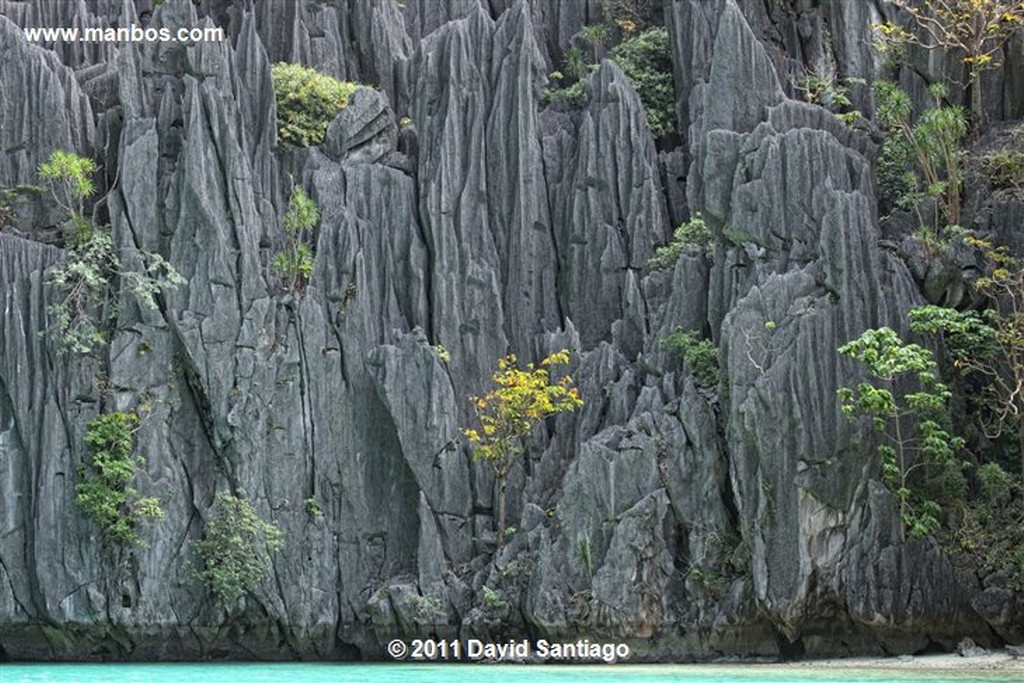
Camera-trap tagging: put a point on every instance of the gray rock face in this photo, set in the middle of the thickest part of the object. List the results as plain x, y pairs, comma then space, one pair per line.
742, 519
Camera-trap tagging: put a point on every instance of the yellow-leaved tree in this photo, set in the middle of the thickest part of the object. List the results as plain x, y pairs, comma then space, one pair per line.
521, 400
975, 29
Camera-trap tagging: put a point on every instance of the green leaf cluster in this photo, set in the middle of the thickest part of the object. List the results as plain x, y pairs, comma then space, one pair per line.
236, 548
692, 235
105, 493
294, 264
646, 59
699, 355
70, 178
991, 536
918, 455
307, 102
922, 160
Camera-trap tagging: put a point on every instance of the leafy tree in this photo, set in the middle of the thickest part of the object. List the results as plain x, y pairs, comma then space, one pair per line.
646, 59
989, 345
105, 492
975, 29
522, 399
925, 159
307, 102
294, 264
92, 264
236, 548
915, 442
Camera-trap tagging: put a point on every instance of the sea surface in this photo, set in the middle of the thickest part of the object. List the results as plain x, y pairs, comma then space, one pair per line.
467, 673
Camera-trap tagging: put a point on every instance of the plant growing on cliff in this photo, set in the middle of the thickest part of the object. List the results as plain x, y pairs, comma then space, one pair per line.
988, 347
645, 58
976, 30
92, 264
699, 355
236, 548
692, 235
521, 399
307, 102
916, 451
294, 264
105, 492
923, 160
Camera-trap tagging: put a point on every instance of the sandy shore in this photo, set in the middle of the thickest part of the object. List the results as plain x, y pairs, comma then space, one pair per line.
994, 660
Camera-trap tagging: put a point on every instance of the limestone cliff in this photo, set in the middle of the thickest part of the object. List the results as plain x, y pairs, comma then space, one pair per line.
486, 223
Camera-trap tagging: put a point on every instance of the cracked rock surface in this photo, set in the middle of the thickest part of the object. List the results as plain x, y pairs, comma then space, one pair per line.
457, 211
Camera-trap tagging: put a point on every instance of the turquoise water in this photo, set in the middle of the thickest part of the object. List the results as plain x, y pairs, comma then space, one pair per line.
465, 673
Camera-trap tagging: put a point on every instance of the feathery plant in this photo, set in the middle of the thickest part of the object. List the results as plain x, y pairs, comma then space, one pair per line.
294, 264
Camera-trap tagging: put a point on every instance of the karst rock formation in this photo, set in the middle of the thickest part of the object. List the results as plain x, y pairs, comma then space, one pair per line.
457, 210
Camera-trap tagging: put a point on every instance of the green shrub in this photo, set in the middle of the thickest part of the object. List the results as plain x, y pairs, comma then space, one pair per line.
574, 95
647, 61
294, 265
236, 548
693, 234
92, 265
493, 600
307, 102
105, 493
997, 484
313, 509
1004, 169
699, 355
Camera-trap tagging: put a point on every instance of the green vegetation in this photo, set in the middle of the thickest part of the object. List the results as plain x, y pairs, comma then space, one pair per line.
923, 160
236, 548
990, 538
92, 265
493, 600
645, 58
699, 355
987, 348
1004, 170
574, 93
443, 354
307, 102
428, 608
693, 235
596, 36
294, 264
313, 509
105, 491
521, 400
832, 94
918, 455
